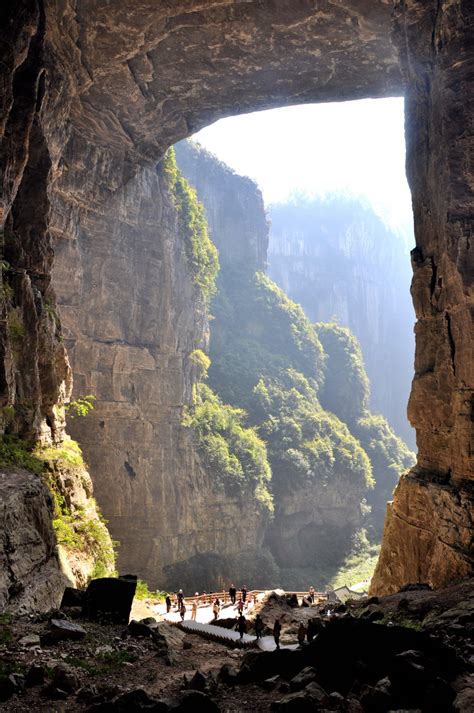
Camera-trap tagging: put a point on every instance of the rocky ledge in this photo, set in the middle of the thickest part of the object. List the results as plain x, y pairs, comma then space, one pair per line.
412, 650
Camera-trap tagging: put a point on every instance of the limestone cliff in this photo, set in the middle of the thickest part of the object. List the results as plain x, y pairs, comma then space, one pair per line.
339, 260
133, 317
429, 527
35, 375
93, 95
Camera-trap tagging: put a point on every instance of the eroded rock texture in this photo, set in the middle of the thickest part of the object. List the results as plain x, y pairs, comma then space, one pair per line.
30, 575
132, 317
429, 530
124, 81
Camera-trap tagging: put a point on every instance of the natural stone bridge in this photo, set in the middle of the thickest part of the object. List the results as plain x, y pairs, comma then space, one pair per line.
92, 94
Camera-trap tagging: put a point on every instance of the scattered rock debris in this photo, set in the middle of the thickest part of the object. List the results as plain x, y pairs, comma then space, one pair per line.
416, 654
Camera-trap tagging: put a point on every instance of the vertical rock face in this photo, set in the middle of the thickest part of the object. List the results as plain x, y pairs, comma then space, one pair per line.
30, 575
132, 317
338, 260
34, 369
429, 528
234, 207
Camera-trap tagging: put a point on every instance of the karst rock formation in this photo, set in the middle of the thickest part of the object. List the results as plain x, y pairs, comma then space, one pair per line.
92, 95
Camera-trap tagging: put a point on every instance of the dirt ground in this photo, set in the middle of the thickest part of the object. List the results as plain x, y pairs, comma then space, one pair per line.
108, 661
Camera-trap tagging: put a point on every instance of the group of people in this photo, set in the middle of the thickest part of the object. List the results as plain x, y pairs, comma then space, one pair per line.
243, 602
258, 627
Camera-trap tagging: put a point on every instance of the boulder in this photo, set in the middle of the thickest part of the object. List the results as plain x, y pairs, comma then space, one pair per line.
140, 628
63, 630
351, 648
35, 676
73, 598
65, 678
292, 601
131, 702
258, 666
192, 702
29, 640
9, 685
378, 698
299, 702
197, 682
110, 598
301, 680
228, 675
439, 697
168, 640
270, 683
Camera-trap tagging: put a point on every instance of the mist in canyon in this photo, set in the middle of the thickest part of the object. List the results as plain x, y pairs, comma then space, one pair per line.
307, 320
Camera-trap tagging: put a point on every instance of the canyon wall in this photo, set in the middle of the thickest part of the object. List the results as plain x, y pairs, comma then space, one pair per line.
338, 259
132, 318
429, 533
93, 95
267, 358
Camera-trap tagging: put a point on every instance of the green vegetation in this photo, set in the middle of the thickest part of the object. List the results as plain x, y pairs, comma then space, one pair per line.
390, 457
5, 629
81, 406
14, 452
304, 441
201, 363
201, 252
267, 358
346, 387
258, 332
77, 528
235, 455
346, 393
102, 664
345, 565
143, 592
16, 328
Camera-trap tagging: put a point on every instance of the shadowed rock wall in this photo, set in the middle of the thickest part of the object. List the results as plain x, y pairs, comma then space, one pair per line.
124, 81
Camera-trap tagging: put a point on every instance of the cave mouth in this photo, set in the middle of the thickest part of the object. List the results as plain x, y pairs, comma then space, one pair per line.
336, 250
352, 155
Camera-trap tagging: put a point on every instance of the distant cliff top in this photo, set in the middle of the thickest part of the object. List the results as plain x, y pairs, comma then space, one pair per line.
234, 207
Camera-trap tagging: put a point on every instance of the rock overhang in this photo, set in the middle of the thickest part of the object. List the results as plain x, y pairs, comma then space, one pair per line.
154, 73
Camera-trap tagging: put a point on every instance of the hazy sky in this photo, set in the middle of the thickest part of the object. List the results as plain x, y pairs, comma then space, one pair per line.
351, 147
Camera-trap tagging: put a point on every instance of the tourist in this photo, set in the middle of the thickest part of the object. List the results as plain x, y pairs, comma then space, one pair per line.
180, 597
232, 593
258, 626
277, 632
241, 625
216, 607
301, 634
168, 603
182, 609
311, 594
244, 593
194, 609
240, 606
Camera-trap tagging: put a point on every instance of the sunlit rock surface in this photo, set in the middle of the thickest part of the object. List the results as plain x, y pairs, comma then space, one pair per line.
91, 96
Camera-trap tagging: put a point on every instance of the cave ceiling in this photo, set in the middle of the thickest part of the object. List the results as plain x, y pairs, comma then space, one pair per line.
151, 73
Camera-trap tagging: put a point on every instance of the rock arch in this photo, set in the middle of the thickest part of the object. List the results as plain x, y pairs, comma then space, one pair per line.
113, 85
